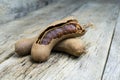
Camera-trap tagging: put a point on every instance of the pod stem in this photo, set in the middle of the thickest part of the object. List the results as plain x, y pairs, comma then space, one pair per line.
88, 25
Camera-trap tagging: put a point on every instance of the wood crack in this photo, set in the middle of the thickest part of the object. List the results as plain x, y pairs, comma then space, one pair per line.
110, 45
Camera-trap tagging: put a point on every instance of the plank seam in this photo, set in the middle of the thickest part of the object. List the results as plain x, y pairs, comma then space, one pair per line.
110, 44
7, 57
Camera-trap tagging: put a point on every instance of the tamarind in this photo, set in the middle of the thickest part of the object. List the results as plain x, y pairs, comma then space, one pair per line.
73, 46
53, 34
23, 46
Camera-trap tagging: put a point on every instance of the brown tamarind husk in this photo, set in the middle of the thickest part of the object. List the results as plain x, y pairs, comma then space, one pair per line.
23, 46
42, 47
73, 46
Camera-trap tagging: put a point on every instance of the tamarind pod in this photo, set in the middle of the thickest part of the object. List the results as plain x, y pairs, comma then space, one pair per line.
23, 46
73, 46
53, 34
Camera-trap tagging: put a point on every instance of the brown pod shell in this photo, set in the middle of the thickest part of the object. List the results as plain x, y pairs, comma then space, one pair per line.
72, 46
23, 46
41, 51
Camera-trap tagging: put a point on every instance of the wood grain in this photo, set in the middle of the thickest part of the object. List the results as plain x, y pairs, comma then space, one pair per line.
112, 69
89, 66
12, 10
60, 66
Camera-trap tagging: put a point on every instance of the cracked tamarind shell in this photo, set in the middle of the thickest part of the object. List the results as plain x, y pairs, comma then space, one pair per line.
53, 34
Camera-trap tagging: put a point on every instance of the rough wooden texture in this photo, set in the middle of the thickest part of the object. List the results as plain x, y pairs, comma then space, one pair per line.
112, 70
60, 66
13, 9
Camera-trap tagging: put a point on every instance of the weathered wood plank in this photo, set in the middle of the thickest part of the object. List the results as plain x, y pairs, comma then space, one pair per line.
11, 10
112, 69
62, 66
31, 25
91, 65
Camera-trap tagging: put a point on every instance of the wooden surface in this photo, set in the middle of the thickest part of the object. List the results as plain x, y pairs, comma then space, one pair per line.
112, 70
14, 9
101, 62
